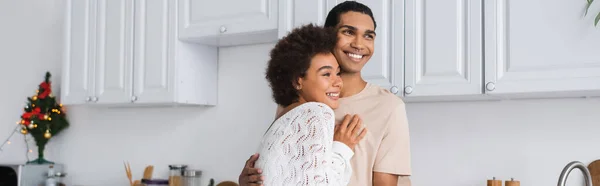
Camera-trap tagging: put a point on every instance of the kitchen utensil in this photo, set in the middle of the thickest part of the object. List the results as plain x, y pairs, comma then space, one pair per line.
594, 169
128, 172
148, 172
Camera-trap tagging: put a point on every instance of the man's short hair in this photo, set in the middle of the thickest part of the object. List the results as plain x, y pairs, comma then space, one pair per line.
333, 18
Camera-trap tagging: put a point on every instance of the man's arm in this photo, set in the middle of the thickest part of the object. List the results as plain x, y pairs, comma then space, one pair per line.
251, 176
392, 162
385, 179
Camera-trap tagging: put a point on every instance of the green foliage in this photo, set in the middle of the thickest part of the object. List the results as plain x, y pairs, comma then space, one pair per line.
587, 8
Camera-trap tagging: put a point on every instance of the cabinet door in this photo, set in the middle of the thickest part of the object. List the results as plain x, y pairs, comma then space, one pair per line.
114, 59
77, 85
540, 46
200, 19
386, 62
295, 13
443, 47
153, 52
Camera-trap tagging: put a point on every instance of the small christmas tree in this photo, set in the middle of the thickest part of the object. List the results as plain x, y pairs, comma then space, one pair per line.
43, 118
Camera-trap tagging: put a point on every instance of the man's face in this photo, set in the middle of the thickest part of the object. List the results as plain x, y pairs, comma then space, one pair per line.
356, 40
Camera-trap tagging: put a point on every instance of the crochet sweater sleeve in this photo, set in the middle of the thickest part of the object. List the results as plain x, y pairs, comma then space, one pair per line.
301, 150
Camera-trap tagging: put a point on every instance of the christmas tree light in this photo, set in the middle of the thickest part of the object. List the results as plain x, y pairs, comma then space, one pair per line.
44, 118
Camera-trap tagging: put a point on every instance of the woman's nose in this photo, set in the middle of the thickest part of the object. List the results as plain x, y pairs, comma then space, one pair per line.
337, 82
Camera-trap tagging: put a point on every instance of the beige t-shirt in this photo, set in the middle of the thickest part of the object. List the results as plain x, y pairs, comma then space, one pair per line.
386, 147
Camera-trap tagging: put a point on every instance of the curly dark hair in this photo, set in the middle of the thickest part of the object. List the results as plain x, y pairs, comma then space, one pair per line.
291, 58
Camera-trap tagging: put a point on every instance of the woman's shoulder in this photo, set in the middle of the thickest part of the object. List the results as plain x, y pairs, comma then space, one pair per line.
317, 107
308, 110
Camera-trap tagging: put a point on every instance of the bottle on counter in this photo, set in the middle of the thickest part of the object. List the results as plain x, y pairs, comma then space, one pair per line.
175, 174
51, 180
191, 177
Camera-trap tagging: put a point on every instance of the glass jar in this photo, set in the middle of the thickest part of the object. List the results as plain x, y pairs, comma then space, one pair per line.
155, 182
175, 173
191, 177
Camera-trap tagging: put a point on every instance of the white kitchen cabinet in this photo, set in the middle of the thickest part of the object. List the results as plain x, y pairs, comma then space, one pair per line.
228, 22
537, 47
443, 48
295, 13
112, 43
77, 85
124, 52
98, 52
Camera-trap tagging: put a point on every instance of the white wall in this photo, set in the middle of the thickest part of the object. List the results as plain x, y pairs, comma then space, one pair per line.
216, 140
528, 140
30, 37
464, 144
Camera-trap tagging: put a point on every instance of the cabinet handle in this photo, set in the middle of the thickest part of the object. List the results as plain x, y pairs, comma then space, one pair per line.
88, 99
133, 98
394, 90
490, 86
223, 29
408, 90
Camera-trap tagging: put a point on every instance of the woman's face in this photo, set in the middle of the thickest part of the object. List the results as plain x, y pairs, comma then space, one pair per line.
322, 82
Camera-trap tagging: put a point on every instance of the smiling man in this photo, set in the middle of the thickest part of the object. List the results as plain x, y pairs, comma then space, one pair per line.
382, 158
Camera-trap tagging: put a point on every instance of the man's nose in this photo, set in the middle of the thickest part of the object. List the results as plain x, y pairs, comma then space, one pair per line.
357, 44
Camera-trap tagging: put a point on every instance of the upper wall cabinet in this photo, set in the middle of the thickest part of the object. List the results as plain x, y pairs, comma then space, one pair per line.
295, 13
228, 22
537, 47
124, 52
443, 48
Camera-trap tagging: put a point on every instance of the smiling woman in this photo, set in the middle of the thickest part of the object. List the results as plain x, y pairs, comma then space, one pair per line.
298, 147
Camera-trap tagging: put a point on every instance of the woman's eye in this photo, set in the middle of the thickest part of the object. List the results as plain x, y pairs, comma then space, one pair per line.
339, 74
327, 74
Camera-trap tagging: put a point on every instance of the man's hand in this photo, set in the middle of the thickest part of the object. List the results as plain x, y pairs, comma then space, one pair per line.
250, 176
348, 131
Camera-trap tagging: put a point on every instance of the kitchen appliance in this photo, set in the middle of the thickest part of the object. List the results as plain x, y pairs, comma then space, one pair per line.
26, 175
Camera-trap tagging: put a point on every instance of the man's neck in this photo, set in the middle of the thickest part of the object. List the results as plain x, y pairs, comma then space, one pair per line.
353, 84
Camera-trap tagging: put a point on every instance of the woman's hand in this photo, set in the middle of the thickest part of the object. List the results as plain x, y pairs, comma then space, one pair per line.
348, 131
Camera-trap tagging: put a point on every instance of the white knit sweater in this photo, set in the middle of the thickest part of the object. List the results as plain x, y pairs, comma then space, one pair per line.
298, 149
